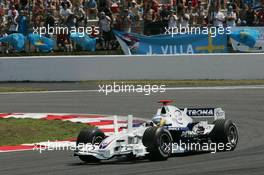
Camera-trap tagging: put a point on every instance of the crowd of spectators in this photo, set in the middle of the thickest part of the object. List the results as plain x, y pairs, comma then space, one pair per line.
139, 16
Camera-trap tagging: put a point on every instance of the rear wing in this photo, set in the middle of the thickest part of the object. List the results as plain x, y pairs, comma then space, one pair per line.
201, 114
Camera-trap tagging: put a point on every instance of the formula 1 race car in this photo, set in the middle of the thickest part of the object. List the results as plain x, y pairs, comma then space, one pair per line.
171, 130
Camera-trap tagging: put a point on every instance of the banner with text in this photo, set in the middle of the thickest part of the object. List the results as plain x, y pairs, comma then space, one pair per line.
135, 44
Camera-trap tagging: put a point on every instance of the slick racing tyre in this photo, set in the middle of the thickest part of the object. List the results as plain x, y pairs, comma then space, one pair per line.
158, 142
90, 136
225, 132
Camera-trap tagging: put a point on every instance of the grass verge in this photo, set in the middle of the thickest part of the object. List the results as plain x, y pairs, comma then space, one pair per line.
20, 89
18, 131
184, 82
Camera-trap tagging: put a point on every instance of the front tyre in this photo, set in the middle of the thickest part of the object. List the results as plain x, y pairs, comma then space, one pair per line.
89, 136
225, 132
158, 142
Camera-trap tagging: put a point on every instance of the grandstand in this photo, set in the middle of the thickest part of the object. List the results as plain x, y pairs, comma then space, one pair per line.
147, 17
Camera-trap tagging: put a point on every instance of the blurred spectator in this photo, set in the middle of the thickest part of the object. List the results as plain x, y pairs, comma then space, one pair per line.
24, 4
190, 10
164, 15
115, 7
65, 12
134, 13
71, 21
247, 17
126, 22
248, 2
3, 46
154, 5
134, 8
184, 17
250, 16
103, 5
218, 17
149, 17
194, 3
172, 22
67, 4
38, 21
51, 7
23, 23
166, 2
79, 15
38, 8
260, 16
63, 42
12, 12
239, 3
2, 10
2, 22
49, 23
243, 16
200, 13
231, 17
223, 4
12, 20
136, 25
50, 20
38, 14
117, 23
236, 10
90, 7
105, 29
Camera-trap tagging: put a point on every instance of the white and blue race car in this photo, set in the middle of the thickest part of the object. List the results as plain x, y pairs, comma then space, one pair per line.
171, 130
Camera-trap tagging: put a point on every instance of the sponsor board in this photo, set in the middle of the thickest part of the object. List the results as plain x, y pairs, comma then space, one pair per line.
200, 112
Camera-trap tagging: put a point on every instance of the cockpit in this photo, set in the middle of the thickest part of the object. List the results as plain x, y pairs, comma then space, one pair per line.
171, 115
163, 110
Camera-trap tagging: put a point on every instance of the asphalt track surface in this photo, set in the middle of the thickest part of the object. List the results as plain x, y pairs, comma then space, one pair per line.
244, 106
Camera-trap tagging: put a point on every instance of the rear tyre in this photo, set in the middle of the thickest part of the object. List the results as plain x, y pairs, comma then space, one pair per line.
225, 132
158, 142
90, 136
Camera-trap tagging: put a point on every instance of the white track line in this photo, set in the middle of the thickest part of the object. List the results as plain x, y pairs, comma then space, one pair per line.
132, 56
218, 87
49, 92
